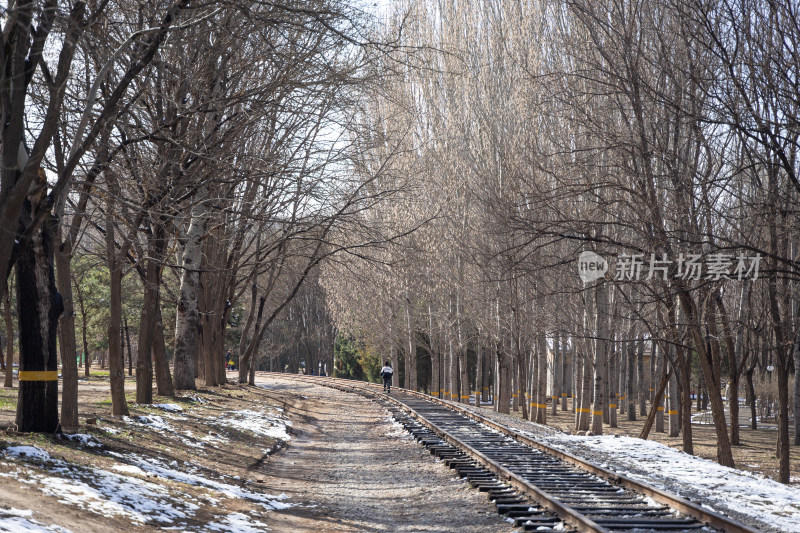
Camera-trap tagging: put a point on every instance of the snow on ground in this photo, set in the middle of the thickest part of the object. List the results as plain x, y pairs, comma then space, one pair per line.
238, 522
727, 490
169, 407
95, 490
20, 521
82, 439
189, 475
124, 489
152, 421
264, 423
396, 430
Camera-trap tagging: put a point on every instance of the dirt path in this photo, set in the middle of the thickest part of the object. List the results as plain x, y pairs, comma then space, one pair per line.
357, 471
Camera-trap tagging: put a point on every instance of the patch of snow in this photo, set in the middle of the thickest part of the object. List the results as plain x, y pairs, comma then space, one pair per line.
130, 469
27, 451
172, 407
724, 489
154, 466
10, 523
153, 421
99, 491
214, 438
83, 439
260, 423
397, 430
238, 522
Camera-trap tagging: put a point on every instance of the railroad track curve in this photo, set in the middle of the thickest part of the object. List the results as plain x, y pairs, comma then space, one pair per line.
540, 488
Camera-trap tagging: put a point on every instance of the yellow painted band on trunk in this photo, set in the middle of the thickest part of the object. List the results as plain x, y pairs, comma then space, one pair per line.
580, 410
597, 413
514, 395
660, 409
541, 405
434, 393
612, 406
672, 412
38, 375
563, 394
465, 396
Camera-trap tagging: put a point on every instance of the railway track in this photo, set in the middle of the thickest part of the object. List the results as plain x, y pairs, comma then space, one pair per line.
537, 487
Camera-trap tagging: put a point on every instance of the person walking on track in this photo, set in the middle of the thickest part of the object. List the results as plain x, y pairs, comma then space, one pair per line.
387, 372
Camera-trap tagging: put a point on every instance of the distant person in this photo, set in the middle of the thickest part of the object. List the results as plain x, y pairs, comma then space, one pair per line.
386, 373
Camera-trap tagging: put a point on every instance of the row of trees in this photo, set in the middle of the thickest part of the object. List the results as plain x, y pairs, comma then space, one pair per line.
203, 150
660, 135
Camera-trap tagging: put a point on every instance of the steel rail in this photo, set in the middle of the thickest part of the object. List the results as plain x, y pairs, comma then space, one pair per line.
687, 507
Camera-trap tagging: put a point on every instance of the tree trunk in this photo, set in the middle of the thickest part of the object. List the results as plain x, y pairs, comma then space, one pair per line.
150, 313
66, 340
630, 385
187, 318
541, 385
557, 388
214, 305
452, 375
436, 385
478, 371
781, 339
674, 400
251, 380
8, 383
660, 370
463, 378
684, 408
395, 360
601, 359
751, 395
163, 378
38, 306
504, 380
724, 453
522, 373
613, 365
796, 351
246, 357
87, 360
565, 376
653, 410
586, 395
514, 380
127, 339
411, 347
116, 364
577, 398
644, 386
